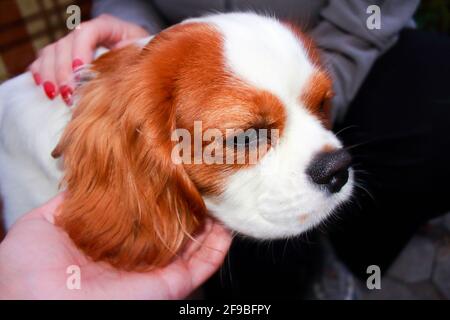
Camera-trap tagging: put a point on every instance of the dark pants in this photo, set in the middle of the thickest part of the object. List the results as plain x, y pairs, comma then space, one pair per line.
398, 131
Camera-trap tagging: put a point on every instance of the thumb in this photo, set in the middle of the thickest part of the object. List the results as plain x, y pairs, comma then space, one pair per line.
48, 211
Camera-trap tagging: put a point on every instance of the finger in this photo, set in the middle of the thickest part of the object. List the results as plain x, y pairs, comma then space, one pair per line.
198, 240
48, 211
200, 266
34, 69
63, 67
209, 257
47, 72
124, 43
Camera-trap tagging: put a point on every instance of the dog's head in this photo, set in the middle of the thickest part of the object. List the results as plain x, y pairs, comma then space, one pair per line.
227, 84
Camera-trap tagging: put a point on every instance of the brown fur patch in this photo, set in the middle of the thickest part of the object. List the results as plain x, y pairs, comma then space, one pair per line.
318, 93
317, 97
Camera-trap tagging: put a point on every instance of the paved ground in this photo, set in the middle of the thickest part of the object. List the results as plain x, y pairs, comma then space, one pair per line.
422, 271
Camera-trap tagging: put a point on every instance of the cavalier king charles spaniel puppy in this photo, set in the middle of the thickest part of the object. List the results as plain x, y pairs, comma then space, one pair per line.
128, 202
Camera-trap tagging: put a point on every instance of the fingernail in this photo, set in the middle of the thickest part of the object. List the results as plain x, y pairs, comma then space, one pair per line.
49, 89
76, 64
66, 94
37, 78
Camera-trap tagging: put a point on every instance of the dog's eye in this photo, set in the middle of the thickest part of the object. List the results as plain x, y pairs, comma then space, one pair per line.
249, 138
322, 105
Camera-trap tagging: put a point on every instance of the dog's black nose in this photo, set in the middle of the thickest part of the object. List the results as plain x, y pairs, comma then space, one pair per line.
330, 169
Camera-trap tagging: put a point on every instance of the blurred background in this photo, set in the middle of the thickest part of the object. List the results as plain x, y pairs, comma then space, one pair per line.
29, 25
422, 271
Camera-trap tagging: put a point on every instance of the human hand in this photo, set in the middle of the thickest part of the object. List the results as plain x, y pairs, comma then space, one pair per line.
55, 63
36, 254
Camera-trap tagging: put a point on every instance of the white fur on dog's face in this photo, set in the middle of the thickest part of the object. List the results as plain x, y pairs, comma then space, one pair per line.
275, 198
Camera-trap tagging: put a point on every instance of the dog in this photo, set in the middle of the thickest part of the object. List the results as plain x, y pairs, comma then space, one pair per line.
127, 201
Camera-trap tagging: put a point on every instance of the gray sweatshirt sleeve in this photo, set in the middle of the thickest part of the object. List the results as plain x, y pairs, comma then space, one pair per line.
140, 12
350, 49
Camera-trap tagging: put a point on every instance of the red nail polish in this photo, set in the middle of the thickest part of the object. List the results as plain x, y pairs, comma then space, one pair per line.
66, 94
49, 89
37, 78
76, 64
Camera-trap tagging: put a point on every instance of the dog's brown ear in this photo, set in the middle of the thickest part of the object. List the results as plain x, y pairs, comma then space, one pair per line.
320, 92
127, 202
